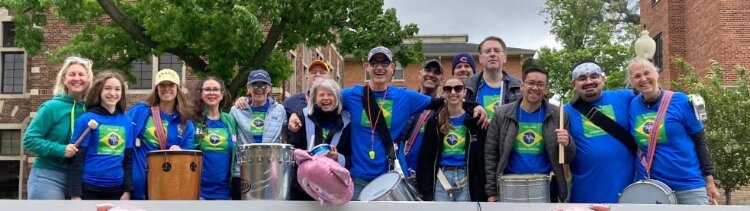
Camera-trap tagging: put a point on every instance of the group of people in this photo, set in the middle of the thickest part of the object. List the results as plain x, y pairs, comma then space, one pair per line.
453, 137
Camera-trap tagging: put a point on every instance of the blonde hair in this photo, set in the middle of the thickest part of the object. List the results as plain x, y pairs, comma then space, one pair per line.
325, 83
60, 88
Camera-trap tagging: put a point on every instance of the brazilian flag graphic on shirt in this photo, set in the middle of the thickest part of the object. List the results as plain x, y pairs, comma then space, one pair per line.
590, 129
490, 103
256, 124
454, 142
386, 106
529, 138
644, 124
214, 140
150, 134
111, 140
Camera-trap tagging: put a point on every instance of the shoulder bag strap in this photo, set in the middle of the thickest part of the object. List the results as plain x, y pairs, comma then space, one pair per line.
653, 136
159, 128
605, 123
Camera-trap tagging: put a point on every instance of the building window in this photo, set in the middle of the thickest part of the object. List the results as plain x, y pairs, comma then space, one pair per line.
653, 2
10, 142
170, 61
12, 72
658, 54
9, 170
8, 35
398, 74
144, 73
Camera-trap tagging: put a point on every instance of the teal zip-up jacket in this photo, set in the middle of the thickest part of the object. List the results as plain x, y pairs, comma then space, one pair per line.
50, 131
229, 120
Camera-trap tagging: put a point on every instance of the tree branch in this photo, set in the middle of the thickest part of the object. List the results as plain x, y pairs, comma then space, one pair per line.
135, 30
272, 38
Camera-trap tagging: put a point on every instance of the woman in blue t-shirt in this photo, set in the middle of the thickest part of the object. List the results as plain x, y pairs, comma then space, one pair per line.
453, 143
681, 159
101, 168
215, 136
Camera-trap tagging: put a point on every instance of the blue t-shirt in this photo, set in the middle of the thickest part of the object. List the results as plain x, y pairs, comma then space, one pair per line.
675, 161
259, 117
454, 144
490, 98
528, 155
603, 166
105, 146
216, 144
144, 129
398, 105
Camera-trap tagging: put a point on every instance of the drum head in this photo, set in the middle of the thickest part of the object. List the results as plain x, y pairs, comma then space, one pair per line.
174, 152
380, 186
644, 192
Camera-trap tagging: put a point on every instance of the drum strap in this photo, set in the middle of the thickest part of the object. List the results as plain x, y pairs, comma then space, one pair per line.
653, 136
605, 123
447, 185
159, 128
415, 131
380, 126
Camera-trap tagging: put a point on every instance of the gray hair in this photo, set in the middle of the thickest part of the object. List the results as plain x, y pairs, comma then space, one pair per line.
325, 83
60, 88
640, 60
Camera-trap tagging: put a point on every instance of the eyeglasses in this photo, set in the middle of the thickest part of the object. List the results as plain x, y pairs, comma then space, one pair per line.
383, 63
259, 85
490, 50
538, 84
457, 88
210, 90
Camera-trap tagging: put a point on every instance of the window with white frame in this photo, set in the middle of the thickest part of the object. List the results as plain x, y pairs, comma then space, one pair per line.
10, 142
12, 60
145, 71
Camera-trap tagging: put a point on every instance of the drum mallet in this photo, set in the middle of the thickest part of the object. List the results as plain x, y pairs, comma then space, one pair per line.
561, 148
92, 125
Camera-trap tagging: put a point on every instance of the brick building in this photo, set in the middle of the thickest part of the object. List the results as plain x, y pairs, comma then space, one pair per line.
440, 47
28, 80
699, 31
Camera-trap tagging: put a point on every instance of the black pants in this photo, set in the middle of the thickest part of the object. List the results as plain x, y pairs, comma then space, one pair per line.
100, 195
236, 192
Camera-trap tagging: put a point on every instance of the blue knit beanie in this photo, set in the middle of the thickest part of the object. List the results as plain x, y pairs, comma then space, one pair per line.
466, 58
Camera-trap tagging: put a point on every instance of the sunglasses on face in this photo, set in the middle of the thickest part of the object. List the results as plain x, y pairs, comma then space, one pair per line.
457, 88
383, 63
259, 85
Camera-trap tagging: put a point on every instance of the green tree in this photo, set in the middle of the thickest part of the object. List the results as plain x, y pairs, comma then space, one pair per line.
588, 29
726, 127
213, 37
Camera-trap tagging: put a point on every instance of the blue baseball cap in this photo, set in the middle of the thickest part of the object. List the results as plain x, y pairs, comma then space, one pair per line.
258, 75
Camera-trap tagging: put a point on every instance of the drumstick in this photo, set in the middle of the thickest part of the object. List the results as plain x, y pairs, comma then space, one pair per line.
561, 148
92, 125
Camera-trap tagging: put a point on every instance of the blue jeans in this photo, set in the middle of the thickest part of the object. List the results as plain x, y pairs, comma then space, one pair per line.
459, 194
47, 184
698, 196
359, 184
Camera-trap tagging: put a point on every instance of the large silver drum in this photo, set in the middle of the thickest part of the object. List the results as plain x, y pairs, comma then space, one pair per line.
266, 170
648, 191
390, 186
523, 188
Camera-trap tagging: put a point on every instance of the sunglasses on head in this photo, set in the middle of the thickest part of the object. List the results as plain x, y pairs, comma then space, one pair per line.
457, 88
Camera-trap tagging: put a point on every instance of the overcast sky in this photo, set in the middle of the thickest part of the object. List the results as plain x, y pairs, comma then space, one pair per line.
518, 22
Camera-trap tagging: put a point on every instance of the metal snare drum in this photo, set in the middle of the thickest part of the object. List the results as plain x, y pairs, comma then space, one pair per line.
320, 149
390, 186
648, 191
523, 188
266, 171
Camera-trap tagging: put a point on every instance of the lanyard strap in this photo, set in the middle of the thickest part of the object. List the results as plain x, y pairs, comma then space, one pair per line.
159, 128
654, 134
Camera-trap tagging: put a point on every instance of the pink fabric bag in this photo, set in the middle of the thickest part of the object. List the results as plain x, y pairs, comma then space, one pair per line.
323, 178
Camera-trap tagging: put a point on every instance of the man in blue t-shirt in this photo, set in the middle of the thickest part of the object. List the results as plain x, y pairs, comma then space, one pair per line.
603, 165
493, 86
410, 139
524, 139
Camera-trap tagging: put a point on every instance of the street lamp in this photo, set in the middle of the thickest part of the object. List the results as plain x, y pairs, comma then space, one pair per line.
645, 46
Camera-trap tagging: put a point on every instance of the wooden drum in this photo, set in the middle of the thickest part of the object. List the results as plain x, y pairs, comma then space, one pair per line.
174, 174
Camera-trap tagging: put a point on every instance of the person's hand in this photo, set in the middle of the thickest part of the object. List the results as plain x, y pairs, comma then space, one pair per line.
492, 199
78, 198
713, 192
70, 150
125, 196
599, 207
333, 154
483, 121
562, 137
294, 123
175, 147
593, 207
240, 102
